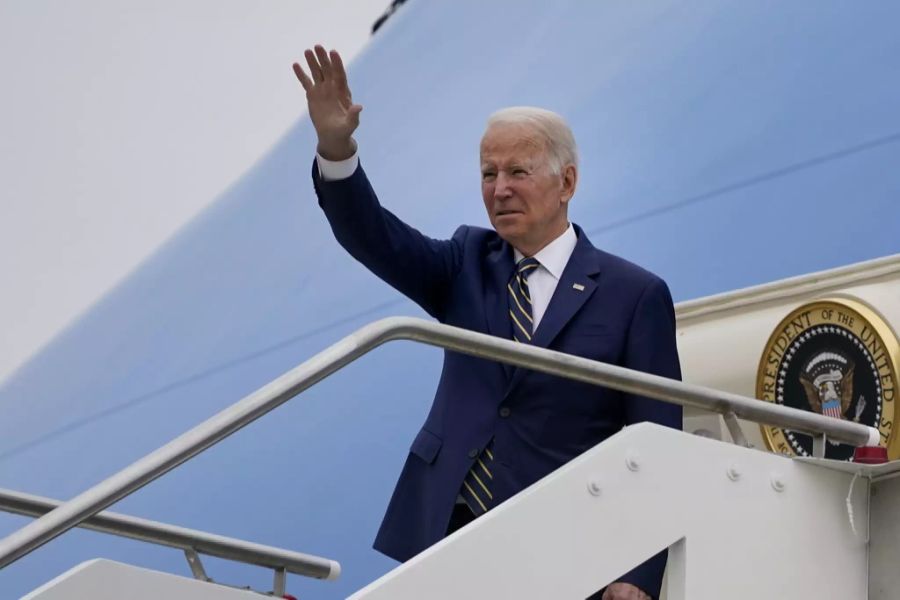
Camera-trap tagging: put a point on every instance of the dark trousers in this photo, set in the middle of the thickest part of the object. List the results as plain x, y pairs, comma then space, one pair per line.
459, 518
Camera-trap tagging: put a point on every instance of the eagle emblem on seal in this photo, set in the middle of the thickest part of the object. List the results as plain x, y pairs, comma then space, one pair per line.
827, 379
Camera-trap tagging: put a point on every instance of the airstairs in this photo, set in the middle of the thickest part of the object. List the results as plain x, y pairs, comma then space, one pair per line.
738, 523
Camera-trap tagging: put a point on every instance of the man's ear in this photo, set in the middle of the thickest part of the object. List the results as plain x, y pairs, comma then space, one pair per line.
568, 182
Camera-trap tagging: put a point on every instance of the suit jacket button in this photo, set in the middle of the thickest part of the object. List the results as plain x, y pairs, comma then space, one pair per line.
473, 453
504, 411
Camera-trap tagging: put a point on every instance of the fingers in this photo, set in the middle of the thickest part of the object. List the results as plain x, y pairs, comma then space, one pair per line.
314, 69
305, 81
324, 61
624, 591
337, 70
323, 66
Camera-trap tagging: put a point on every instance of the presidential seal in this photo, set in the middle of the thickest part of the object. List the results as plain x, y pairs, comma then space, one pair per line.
835, 357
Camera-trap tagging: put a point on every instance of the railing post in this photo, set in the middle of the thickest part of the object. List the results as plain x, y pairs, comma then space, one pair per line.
819, 441
196, 565
735, 430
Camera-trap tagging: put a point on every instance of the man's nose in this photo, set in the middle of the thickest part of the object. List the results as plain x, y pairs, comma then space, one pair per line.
501, 186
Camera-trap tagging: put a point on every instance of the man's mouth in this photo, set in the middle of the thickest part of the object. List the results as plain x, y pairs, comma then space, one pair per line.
503, 213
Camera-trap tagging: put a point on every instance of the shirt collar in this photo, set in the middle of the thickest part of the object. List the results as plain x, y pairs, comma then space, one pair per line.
555, 255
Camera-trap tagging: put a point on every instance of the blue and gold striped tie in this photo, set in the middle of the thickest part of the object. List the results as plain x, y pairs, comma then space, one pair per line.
520, 300
476, 490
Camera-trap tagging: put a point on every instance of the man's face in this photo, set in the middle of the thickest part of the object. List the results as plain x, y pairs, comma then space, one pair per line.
525, 201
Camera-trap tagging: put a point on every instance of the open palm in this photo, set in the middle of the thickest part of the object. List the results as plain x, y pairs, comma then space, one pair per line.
331, 107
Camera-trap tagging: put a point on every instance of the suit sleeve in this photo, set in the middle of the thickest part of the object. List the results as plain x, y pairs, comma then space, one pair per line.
416, 265
651, 347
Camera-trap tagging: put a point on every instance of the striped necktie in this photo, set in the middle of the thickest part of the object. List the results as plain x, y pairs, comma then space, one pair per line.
476, 489
520, 300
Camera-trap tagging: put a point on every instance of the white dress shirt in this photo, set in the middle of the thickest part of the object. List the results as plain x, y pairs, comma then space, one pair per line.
553, 257
542, 283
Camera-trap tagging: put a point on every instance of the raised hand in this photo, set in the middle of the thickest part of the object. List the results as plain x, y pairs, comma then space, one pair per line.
331, 107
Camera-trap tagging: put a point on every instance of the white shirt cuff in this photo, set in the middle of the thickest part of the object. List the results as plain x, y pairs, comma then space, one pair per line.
333, 170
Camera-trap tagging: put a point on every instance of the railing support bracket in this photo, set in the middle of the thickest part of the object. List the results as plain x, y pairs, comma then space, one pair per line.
196, 566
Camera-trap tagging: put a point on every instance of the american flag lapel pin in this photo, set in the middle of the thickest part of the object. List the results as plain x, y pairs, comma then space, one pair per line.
578, 287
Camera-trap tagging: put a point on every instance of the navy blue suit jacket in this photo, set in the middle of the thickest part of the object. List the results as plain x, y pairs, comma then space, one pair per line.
623, 316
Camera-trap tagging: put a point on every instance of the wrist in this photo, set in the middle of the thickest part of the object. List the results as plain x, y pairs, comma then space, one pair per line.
337, 150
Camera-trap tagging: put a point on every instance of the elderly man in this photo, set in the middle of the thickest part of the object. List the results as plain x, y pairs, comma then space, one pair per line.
494, 430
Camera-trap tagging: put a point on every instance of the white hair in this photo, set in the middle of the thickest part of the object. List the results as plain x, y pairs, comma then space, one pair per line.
551, 127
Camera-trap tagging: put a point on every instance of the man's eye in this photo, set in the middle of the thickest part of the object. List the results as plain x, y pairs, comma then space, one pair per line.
519, 172
487, 176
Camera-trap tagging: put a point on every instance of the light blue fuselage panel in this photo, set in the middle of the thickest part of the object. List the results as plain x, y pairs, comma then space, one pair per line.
723, 144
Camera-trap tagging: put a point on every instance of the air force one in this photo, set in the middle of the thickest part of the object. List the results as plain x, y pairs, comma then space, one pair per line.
747, 152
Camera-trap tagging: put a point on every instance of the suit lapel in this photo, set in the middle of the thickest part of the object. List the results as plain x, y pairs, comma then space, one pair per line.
575, 287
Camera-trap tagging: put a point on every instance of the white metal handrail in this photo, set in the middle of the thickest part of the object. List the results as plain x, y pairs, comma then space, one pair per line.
245, 411
182, 538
